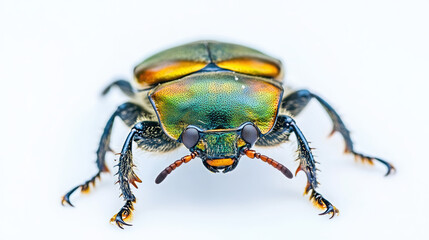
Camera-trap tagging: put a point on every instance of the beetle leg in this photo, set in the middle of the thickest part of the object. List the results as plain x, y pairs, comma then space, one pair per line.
340, 127
123, 85
125, 212
278, 135
149, 136
308, 166
128, 112
126, 176
295, 103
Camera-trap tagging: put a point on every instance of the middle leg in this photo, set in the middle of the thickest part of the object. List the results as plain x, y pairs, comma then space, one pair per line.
128, 112
297, 101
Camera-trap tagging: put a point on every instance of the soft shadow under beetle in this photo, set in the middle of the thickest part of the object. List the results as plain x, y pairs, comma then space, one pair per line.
219, 100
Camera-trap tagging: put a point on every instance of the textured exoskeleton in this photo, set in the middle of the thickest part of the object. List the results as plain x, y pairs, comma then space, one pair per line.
218, 100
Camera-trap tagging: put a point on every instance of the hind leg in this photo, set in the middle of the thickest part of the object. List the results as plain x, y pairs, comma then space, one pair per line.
123, 85
296, 102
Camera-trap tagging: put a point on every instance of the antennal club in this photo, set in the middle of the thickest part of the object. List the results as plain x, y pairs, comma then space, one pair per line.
253, 154
173, 166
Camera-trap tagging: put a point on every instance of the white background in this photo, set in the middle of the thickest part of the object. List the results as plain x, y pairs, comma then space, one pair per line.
369, 59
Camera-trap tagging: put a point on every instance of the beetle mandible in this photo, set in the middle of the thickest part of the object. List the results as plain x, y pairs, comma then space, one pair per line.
218, 100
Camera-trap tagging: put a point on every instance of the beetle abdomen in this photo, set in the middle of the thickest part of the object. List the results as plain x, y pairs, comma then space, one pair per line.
183, 60
216, 100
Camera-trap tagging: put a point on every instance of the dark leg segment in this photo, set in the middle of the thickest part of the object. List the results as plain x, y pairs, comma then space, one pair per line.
296, 102
306, 164
126, 176
279, 134
128, 112
146, 135
124, 85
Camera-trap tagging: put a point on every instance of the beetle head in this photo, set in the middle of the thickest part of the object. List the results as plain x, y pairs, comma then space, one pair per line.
220, 149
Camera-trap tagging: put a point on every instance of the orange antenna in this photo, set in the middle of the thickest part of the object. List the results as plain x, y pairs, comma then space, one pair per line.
253, 154
173, 166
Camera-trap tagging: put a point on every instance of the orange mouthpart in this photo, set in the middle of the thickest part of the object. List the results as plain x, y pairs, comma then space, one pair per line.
220, 162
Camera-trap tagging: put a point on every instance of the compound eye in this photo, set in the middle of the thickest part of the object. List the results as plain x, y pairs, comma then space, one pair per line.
249, 133
190, 137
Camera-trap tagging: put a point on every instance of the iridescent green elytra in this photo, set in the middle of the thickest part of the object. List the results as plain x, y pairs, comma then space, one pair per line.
218, 100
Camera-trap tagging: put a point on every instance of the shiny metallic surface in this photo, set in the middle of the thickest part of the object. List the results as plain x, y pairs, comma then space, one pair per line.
183, 60
216, 100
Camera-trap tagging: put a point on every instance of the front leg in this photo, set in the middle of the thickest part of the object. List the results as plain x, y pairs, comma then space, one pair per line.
308, 166
147, 134
126, 176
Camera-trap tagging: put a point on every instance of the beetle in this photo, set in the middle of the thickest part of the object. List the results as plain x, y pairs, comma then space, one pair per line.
218, 100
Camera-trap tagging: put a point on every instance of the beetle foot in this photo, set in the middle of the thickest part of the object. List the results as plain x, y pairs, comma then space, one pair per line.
319, 201
124, 214
370, 160
84, 188
66, 197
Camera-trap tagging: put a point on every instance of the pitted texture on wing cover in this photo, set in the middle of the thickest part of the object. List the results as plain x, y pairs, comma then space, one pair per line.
216, 100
